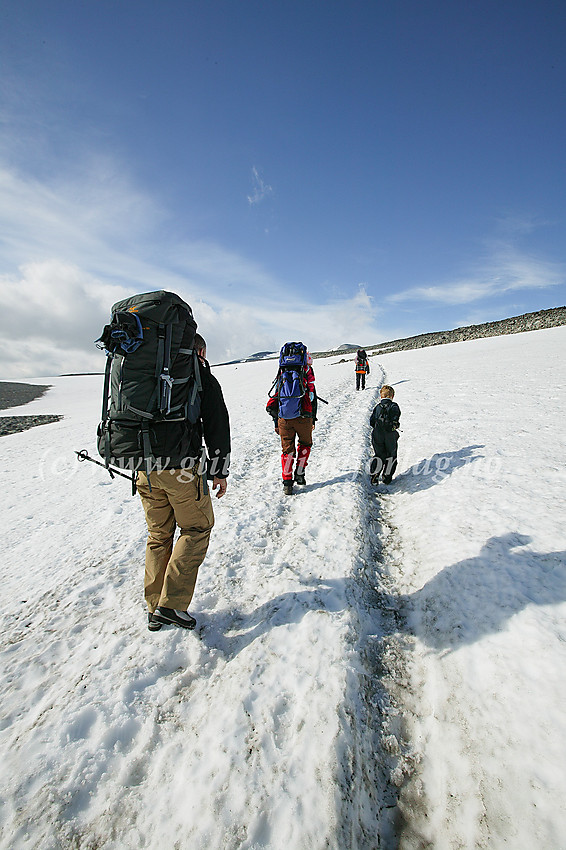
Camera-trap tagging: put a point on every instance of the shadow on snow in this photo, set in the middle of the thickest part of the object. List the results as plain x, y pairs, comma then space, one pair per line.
477, 596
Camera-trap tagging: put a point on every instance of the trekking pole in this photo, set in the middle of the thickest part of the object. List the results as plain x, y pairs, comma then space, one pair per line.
323, 400
84, 455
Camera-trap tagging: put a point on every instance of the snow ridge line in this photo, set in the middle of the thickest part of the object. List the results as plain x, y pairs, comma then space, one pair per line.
370, 745
309, 544
366, 794
282, 553
386, 757
369, 767
381, 758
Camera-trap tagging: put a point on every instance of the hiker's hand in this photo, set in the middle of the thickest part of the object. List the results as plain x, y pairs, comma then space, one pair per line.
221, 484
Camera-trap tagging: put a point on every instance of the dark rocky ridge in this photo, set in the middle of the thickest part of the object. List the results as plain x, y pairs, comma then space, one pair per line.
517, 324
13, 394
15, 424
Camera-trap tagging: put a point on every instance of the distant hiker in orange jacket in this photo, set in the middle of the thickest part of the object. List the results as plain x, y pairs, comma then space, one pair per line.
362, 368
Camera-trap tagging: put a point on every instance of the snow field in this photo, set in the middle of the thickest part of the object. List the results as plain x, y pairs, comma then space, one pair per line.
307, 552
371, 668
233, 738
481, 581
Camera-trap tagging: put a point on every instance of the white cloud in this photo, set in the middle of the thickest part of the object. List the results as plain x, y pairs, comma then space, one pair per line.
52, 313
69, 250
507, 270
260, 190
36, 359
240, 330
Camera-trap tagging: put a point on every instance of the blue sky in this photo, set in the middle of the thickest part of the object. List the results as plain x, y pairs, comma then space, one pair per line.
331, 171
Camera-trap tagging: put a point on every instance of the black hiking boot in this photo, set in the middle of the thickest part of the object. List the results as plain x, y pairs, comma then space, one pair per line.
300, 478
387, 479
152, 624
288, 488
172, 617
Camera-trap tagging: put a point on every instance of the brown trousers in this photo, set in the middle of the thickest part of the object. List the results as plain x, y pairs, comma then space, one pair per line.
171, 573
288, 428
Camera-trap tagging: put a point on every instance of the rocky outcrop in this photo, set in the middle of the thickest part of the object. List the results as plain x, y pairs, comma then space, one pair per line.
13, 394
517, 324
15, 424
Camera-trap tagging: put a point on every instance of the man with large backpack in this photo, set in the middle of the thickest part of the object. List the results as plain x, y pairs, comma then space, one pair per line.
362, 369
292, 404
160, 402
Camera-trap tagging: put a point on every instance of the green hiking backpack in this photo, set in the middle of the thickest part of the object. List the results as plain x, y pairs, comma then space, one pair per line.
151, 401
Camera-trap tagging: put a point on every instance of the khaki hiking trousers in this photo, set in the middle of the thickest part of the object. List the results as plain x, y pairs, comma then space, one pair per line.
171, 572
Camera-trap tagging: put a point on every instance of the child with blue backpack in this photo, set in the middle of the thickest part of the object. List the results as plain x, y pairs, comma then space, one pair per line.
292, 404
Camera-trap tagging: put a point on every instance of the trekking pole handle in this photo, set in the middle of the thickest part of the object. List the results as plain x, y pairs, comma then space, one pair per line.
84, 455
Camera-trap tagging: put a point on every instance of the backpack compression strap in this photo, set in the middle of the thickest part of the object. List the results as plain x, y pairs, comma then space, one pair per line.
105, 398
163, 365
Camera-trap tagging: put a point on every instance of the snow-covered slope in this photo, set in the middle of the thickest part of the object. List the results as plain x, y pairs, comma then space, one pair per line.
479, 571
370, 668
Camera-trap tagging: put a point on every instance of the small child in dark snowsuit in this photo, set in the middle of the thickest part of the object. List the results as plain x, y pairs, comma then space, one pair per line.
384, 420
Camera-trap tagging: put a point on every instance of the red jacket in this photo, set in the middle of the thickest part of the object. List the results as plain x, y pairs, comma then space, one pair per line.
306, 404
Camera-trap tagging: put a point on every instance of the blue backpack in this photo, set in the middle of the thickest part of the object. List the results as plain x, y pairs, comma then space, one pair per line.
290, 383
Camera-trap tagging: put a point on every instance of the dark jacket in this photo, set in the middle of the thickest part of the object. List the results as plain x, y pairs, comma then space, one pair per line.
214, 425
387, 410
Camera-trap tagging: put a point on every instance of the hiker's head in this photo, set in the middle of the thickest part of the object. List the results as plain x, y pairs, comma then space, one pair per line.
309, 358
200, 346
386, 391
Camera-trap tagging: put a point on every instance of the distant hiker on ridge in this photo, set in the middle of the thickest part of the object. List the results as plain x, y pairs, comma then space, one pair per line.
292, 404
385, 421
362, 368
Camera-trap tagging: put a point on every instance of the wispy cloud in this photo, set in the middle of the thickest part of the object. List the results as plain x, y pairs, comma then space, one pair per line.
95, 218
506, 270
319, 326
260, 189
69, 250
